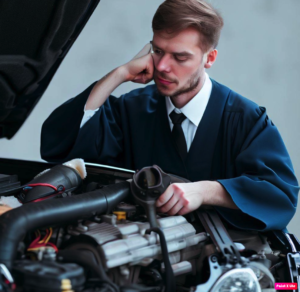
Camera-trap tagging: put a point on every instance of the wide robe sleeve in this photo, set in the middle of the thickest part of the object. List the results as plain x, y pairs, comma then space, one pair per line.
99, 140
264, 187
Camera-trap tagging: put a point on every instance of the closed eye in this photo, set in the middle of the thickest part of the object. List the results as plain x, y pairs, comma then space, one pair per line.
181, 58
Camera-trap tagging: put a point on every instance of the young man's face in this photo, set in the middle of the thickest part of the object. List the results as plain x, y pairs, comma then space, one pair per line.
179, 63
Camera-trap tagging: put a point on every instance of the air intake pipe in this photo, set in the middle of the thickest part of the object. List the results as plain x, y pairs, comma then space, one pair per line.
16, 223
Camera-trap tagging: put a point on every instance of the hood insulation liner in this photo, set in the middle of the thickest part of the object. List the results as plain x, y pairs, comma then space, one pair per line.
35, 36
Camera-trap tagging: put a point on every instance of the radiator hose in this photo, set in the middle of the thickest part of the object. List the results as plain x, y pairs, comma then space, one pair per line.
16, 223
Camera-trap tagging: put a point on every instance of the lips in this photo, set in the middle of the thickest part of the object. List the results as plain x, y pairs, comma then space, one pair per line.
163, 81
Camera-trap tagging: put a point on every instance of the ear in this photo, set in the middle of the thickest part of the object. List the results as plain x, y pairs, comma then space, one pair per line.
210, 58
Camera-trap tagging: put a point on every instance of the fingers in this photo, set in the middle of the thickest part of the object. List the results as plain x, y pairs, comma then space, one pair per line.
172, 200
147, 74
144, 51
184, 210
176, 209
180, 199
169, 205
165, 197
140, 69
144, 77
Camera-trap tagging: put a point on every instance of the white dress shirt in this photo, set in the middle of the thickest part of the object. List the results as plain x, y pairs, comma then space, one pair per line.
193, 111
87, 115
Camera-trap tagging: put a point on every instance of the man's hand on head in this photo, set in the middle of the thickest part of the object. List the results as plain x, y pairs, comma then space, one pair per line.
140, 68
183, 198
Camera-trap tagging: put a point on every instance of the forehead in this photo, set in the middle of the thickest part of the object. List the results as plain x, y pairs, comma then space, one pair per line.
187, 40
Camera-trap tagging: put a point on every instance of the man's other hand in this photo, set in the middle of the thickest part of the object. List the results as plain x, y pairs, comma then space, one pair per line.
180, 198
183, 198
140, 68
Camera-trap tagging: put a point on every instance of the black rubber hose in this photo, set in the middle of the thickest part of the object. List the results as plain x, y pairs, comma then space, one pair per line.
16, 223
170, 281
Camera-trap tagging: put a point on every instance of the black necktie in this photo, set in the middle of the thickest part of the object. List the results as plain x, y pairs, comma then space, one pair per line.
177, 133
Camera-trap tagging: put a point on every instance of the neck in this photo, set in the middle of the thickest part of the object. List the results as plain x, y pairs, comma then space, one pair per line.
181, 100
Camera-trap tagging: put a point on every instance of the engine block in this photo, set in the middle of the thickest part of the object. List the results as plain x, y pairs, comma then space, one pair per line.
126, 243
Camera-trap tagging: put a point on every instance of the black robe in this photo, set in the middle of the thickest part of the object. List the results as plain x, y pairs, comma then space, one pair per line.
235, 143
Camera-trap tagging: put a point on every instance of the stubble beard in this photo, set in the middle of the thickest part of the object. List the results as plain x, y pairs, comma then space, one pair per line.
193, 83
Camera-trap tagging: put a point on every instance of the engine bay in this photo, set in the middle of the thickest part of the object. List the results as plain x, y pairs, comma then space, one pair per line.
100, 236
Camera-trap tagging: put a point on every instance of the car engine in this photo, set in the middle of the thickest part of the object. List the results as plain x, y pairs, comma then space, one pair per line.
109, 238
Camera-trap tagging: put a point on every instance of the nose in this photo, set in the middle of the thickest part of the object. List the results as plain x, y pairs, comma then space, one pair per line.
163, 64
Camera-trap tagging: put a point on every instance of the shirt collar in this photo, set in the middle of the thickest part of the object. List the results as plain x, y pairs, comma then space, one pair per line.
195, 108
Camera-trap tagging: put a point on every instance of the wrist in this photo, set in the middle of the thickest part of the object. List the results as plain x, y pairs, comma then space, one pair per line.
104, 87
207, 191
214, 194
123, 74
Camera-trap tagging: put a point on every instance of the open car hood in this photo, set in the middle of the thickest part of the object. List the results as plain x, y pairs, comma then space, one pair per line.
35, 36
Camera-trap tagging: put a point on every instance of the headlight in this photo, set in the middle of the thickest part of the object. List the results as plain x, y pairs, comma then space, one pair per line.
237, 280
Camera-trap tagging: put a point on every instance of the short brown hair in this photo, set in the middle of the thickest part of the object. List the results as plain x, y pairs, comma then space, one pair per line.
174, 16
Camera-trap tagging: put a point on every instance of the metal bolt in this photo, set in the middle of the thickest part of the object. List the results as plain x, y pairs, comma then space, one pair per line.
214, 259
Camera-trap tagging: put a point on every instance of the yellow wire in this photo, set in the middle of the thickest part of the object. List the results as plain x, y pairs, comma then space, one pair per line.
33, 248
48, 238
50, 234
42, 240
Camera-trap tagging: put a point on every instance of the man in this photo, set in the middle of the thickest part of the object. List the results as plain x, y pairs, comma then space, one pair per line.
186, 123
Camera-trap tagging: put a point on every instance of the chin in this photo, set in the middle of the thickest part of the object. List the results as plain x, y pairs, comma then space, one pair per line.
164, 90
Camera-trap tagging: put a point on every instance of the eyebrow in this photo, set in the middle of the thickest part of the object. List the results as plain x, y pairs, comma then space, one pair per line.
184, 53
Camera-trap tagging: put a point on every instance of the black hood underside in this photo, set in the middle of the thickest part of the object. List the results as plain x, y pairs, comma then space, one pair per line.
35, 36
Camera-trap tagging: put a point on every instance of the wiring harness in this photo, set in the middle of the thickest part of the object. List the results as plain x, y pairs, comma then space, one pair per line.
39, 243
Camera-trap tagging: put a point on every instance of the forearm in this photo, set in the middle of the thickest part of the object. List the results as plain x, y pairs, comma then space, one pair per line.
214, 194
183, 198
104, 87
139, 70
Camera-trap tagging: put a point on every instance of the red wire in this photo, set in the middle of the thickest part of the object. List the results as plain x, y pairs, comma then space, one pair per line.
35, 243
46, 197
43, 185
32, 244
42, 199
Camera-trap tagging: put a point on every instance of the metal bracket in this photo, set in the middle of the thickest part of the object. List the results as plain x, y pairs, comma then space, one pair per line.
294, 267
219, 235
